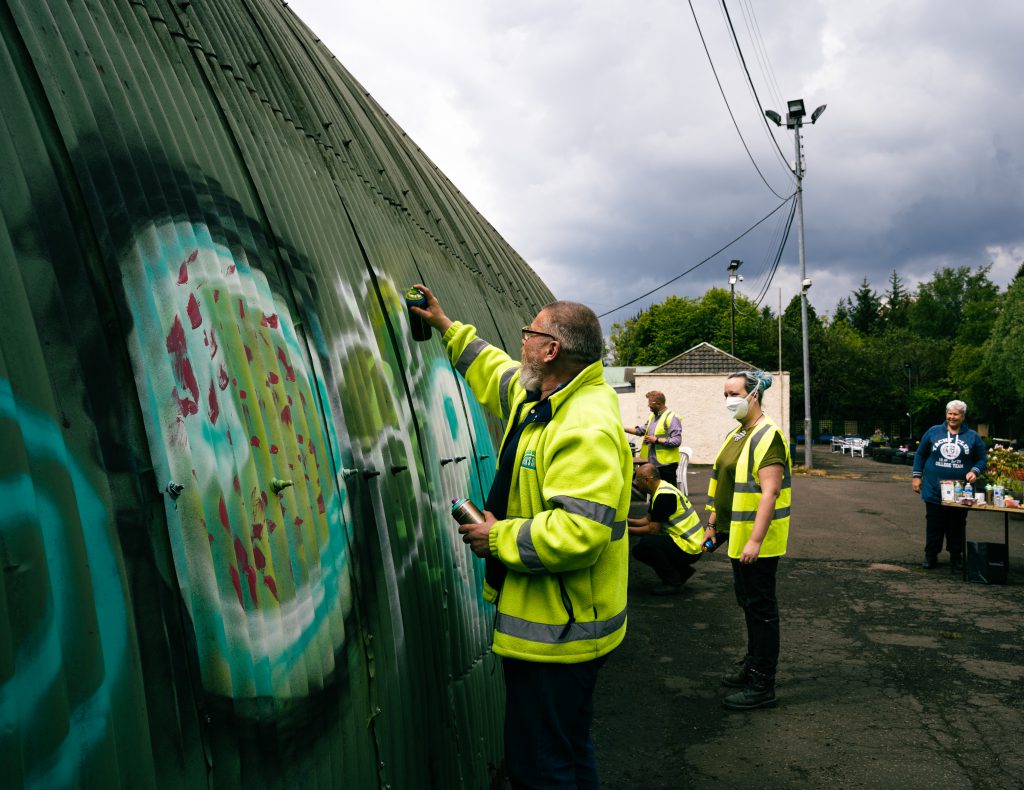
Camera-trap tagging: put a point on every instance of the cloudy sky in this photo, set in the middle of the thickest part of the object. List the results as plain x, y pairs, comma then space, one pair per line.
593, 136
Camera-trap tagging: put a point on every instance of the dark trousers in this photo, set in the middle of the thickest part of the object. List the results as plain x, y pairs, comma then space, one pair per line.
943, 523
755, 593
671, 563
668, 473
548, 710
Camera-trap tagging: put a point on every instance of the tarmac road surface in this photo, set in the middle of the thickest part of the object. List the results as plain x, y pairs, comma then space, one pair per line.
890, 676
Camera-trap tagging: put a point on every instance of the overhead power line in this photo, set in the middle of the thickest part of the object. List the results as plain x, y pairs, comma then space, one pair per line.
750, 81
698, 265
726, 100
775, 264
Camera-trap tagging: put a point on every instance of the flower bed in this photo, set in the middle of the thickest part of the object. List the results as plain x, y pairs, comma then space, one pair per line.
1006, 468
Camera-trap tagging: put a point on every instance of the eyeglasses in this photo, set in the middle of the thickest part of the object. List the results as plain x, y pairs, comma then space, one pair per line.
527, 332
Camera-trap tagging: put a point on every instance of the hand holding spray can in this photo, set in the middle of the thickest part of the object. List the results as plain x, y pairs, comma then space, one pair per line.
465, 512
414, 297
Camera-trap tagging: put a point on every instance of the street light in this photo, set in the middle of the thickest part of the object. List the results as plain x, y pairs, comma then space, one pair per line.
733, 277
910, 420
795, 113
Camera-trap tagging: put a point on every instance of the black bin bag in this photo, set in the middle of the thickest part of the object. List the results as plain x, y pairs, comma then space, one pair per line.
986, 562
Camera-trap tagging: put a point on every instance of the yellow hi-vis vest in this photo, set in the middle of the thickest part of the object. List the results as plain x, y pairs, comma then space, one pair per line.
563, 541
684, 525
747, 492
666, 454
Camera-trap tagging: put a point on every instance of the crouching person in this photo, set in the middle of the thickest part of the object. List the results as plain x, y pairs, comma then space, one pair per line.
671, 532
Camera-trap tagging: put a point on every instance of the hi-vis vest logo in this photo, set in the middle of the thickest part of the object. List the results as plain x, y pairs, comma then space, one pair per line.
529, 460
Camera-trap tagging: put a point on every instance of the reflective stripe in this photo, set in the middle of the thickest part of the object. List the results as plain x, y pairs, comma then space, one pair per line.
595, 511
748, 515
748, 488
752, 443
618, 530
506, 377
557, 634
469, 354
693, 530
527, 551
681, 518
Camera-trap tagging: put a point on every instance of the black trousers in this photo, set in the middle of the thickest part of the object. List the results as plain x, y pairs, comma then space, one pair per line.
943, 523
548, 710
668, 473
671, 563
755, 593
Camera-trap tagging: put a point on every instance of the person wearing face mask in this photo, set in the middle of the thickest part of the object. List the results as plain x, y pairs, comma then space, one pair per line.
749, 497
949, 451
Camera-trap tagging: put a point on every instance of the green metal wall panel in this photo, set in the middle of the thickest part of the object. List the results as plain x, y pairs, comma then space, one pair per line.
207, 228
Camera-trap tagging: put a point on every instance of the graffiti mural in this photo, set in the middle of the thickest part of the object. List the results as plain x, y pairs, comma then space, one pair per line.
226, 548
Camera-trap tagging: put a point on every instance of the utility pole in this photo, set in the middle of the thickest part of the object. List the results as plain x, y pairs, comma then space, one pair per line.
794, 120
733, 266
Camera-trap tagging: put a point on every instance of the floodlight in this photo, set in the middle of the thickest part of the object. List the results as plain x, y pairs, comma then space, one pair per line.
774, 117
796, 108
817, 113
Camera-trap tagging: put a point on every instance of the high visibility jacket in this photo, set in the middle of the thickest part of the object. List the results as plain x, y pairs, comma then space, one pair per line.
747, 492
564, 598
666, 454
684, 525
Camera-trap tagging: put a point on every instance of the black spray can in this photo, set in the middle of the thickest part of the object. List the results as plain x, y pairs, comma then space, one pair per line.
414, 297
465, 512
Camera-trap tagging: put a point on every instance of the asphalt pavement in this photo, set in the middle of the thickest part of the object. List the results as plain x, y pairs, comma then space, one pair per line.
890, 675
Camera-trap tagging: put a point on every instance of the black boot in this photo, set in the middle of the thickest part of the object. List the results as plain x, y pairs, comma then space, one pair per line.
737, 678
758, 693
956, 562
929, 562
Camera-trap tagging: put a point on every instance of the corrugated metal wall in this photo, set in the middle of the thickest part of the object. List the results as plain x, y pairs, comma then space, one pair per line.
206, 227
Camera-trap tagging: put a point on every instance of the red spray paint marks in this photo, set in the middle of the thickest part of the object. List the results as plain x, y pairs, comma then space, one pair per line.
242, 558
183, 269
216, 294
257, 530
270, 584
255, 441
178, 349
193, 311
248, 353
320, 503
269, 320
258, 558
298, 521
224, 522
222, 378
213, 345
236, 485
273, 449
272, 378
300, 438
286, 416
271, 525
237, 584
214, 406
290, 372
231, 269
241, 309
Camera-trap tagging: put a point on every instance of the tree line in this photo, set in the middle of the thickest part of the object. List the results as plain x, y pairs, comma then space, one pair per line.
893, 357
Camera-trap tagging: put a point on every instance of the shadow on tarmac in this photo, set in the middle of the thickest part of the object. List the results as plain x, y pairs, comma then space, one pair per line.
890, 675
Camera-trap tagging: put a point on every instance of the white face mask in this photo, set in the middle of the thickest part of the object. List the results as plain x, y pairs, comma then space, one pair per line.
737, 407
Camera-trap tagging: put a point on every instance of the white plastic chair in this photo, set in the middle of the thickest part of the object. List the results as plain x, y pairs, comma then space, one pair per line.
684, 463
857, 446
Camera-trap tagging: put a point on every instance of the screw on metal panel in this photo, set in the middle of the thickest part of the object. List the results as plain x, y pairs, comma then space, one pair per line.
484, 457
253, 64
173, 490
446, 461
460, 458
346, 472
368, 473
277, 485
396, 469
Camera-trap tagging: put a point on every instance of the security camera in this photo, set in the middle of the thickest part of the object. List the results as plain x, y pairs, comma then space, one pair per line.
806, 284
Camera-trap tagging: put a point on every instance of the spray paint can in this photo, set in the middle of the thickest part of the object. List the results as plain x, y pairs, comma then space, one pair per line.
465, 512
414, 297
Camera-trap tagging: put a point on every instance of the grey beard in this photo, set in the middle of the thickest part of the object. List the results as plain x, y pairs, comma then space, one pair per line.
530, 376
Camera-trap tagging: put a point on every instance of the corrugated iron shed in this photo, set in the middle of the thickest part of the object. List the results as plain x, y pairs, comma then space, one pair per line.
226, 548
